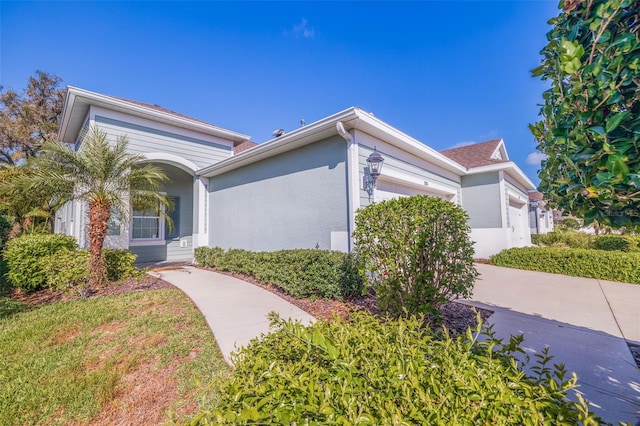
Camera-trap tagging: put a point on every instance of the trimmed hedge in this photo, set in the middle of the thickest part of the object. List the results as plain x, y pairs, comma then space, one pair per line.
374, 372
23, 256
302, 273
599, 264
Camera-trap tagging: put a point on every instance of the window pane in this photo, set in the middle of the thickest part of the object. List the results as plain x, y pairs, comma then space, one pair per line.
146, 227
145, 212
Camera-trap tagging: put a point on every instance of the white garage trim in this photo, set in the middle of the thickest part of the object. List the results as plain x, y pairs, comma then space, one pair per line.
424, 186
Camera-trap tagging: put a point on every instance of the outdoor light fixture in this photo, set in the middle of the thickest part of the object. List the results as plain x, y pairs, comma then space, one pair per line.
374, 161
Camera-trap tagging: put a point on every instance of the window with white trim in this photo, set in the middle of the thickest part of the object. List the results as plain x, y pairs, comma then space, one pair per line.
147, 225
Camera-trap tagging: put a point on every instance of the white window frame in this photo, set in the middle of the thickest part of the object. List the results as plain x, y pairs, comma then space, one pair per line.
159, 240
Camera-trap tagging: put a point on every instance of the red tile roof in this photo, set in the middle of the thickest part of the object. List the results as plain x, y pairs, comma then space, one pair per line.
244, 146
475, 155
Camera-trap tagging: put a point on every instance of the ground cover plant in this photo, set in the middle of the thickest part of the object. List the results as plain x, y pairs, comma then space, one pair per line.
301, 273
132, 358
417, 251
600, 264
372, 371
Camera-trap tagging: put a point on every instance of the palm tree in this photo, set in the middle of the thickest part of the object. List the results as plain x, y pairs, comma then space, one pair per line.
106, 177
31, 209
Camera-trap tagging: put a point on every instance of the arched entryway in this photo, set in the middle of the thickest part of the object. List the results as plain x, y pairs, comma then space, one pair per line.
150, 236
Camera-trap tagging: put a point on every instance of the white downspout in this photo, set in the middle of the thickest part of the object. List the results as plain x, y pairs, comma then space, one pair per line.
353, 179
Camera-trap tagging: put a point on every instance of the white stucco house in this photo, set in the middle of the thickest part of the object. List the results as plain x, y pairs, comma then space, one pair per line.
299, 190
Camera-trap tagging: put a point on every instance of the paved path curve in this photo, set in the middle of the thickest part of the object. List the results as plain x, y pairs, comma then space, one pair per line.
584, 322
235, 310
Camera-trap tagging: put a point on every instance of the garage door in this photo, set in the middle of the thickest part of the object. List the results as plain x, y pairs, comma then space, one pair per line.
518, 222
388, 190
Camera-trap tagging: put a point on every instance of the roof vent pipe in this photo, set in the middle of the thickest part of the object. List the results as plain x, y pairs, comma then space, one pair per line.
342, 132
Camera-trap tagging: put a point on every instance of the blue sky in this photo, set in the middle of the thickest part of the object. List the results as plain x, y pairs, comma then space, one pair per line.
446, 73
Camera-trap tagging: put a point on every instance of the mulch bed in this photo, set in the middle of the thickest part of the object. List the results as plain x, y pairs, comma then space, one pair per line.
126, 286
456, 317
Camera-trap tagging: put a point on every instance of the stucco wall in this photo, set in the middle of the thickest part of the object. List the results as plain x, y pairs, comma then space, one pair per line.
481, 200
293, 200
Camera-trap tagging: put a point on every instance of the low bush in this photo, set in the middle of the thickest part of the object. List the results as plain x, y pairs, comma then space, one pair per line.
301, 273
599, 264
65, 268
208, 256
418, 252
615, 243
366, 371
23, 256
119, 263
38, 261
570, 239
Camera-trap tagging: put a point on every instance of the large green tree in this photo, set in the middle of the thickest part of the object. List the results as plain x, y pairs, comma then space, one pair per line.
590, 127
29, 118
103, 174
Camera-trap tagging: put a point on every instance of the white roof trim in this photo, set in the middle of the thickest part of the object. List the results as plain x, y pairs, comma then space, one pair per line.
75, 94
352, 118
500, 153
509, 167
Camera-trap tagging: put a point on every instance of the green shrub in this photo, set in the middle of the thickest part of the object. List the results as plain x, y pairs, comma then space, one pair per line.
69, 268
394, 372
23, 256
418, 252
599, 264
569, 223
119, 264
301, 273
208, 256
572, 239
5, 229
65, 268
615, 243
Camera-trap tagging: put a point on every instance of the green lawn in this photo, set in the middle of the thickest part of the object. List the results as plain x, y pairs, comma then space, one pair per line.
145, 357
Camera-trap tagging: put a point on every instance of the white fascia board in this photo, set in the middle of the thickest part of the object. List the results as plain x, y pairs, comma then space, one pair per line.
352, 118
300, 137
92, 98
510, 167
374, 126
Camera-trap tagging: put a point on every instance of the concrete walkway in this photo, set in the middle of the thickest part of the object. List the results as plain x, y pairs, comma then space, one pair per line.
235, 310
584, 322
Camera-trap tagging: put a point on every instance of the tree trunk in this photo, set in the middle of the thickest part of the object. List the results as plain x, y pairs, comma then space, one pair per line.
99, 213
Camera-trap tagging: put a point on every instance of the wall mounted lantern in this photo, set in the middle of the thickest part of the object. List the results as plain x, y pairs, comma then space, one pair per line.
374, 161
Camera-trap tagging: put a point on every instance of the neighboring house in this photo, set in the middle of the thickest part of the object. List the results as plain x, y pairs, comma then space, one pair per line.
495, 195
540, 218
299, 190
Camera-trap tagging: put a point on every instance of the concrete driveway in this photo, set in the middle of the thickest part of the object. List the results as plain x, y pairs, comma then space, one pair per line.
583, 321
